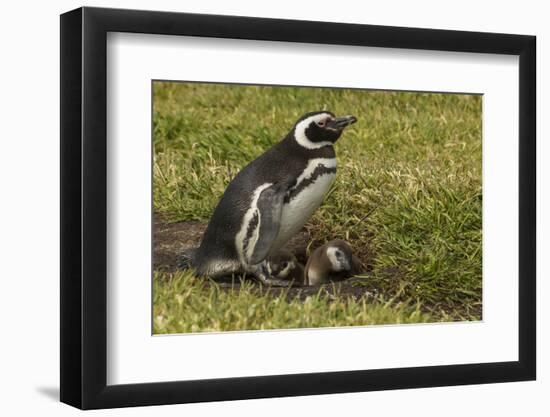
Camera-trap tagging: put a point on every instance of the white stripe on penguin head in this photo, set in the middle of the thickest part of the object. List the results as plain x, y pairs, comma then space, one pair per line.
300, 132
332, 254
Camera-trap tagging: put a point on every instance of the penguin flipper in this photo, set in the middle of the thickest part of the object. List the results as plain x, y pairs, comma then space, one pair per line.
270, 206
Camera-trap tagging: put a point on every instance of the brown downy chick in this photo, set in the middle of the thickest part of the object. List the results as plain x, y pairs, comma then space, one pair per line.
333, 261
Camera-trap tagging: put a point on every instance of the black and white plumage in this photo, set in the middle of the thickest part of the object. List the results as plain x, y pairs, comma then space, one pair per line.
284, 266
270, 199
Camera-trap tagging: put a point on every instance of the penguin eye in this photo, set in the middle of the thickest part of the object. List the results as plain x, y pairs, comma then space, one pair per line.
321, 123
284, 265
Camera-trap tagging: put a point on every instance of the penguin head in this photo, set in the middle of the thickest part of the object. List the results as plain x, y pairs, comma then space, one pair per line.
317, 129
339, 255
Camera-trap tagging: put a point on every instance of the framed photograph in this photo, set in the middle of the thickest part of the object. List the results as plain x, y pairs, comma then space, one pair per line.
257, 208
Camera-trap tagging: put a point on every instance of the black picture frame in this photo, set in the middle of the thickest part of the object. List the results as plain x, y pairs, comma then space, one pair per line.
84, 207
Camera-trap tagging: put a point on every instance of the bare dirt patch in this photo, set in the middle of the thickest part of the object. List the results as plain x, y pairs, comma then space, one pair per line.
171, 239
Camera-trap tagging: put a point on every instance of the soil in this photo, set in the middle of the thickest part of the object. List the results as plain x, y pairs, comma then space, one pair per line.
170, 239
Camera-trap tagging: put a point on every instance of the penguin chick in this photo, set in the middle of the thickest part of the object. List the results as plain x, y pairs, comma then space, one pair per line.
284, 266
332, 261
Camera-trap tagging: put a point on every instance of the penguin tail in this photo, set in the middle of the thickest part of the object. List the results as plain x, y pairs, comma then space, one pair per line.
186, 259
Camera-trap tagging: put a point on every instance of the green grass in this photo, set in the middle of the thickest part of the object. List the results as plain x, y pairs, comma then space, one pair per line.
407, 194
184, 303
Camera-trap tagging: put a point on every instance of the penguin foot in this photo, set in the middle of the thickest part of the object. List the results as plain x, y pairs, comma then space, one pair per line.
273, 282
261, 272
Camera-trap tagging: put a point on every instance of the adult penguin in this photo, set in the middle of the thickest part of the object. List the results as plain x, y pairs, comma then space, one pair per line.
270, 200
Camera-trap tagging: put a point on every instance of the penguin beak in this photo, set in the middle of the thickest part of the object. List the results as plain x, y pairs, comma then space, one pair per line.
340, 123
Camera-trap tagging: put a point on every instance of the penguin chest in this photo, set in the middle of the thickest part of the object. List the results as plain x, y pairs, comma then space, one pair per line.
305, 197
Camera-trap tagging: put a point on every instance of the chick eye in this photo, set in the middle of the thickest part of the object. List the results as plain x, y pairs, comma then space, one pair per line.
284, 265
